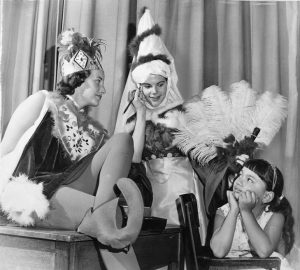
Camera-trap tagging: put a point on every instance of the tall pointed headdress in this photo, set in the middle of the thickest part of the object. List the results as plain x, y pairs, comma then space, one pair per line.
150, 56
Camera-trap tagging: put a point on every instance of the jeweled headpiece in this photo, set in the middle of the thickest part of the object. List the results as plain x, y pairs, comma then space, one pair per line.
77, 52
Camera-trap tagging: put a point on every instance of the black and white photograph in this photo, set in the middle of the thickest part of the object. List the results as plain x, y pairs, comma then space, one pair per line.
149, 134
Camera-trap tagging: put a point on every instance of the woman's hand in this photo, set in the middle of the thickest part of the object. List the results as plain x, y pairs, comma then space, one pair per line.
247, 200
138, 101
233, 203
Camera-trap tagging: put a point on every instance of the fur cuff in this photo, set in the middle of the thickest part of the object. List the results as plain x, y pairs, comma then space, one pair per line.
22, 199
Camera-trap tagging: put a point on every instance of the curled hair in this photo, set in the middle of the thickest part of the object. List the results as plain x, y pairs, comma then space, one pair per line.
273, 178
69, 83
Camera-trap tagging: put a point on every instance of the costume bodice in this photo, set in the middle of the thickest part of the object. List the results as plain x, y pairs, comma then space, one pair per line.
62, 141
77, 132
159, 135
158, 142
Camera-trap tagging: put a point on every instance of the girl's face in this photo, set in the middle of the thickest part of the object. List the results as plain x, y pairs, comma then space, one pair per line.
93, 88
249, 181
155, 89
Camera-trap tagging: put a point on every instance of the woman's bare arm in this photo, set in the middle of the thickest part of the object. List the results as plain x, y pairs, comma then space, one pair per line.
24, 116
139, 130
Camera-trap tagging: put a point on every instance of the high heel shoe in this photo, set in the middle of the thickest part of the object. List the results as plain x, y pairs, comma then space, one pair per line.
100, 222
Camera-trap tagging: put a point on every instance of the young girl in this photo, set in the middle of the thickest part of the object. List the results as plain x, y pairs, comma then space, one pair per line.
258, 218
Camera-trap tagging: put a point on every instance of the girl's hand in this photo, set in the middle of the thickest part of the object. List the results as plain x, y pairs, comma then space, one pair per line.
138, 101
247, 200
233, 203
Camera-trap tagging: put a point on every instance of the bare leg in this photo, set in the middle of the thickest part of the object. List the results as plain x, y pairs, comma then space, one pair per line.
109, 164
68, 207
116, 165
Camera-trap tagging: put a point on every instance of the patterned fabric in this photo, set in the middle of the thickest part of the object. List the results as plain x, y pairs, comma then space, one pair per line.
78, 137
158, 142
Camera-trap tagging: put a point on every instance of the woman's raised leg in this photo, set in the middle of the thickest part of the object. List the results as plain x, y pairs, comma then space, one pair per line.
109, 164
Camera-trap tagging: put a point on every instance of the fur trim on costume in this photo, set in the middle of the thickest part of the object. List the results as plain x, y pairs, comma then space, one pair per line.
135, 43
22, 198
150, 57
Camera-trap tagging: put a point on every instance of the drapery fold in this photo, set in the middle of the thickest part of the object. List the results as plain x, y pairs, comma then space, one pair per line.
25, 41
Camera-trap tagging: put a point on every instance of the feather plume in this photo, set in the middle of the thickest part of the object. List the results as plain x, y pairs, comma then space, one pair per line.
243, 103
22, 198
198, 136
271, 111
217, 108
215, 116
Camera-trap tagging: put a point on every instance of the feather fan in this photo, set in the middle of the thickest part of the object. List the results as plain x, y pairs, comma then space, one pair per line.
206, 125
215, 116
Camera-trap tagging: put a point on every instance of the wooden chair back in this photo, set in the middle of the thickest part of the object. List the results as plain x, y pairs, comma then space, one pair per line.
200, 257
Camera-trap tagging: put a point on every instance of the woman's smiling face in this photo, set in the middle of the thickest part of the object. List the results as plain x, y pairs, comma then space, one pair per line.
155, 89
94, 88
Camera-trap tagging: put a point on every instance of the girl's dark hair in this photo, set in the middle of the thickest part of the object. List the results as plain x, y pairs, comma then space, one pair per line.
69, 83
273, 178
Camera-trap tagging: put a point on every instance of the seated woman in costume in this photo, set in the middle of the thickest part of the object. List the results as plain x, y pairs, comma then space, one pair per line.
59, 169
152, 121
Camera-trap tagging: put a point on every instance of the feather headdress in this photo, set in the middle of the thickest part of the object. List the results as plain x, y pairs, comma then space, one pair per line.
77, 52
221, 124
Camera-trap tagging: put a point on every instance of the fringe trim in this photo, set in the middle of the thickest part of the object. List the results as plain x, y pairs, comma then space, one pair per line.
150, 57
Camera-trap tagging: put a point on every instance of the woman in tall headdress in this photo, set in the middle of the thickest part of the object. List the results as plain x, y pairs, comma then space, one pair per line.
152, 119
58, 167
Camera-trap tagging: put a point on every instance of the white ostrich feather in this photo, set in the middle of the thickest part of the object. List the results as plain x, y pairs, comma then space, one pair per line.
204, 126
216, 114
217, 108
22, 198
271, 111
243, 104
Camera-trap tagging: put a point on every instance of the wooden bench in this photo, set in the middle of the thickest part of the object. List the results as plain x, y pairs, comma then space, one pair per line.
41, 249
